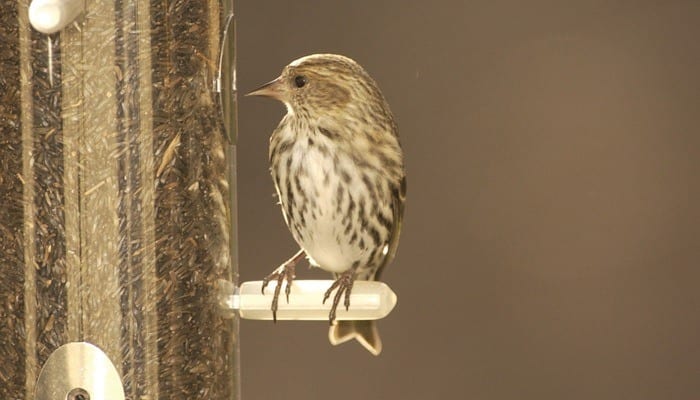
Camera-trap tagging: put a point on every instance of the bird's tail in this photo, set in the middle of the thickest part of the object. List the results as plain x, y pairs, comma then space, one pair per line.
364, 331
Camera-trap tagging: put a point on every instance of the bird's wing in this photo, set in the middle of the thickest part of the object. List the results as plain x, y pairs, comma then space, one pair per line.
398, 195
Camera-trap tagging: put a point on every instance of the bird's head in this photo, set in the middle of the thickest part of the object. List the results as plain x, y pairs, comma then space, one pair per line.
320, 84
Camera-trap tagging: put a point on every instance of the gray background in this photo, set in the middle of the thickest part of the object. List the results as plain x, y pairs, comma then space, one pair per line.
550, 249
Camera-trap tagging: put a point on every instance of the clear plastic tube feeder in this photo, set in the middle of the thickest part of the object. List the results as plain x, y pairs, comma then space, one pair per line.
117, 187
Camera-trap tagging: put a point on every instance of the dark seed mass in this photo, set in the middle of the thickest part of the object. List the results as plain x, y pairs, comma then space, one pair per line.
118, 230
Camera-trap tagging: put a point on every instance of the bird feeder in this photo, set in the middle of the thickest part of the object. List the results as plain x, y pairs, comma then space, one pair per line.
118, 219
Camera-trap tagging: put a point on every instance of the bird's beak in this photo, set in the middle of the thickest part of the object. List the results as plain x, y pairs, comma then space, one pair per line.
274, 89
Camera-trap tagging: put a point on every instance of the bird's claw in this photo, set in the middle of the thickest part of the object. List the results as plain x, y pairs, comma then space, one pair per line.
343, 285
284, 272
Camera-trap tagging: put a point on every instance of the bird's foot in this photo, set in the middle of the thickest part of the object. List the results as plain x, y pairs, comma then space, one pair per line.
343, 285
282, 273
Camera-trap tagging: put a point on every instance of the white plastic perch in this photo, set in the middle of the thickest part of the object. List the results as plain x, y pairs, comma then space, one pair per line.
49, 16
369, 300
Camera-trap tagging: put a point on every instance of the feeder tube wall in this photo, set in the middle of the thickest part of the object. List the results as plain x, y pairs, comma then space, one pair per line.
117, 186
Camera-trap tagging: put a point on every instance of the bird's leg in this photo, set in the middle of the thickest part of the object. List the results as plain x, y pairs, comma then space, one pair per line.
343, 284
282, 273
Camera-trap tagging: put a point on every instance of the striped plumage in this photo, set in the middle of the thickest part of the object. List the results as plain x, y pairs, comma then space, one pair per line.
338, 169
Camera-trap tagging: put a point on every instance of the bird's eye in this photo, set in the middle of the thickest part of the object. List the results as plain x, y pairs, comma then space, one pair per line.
299, 81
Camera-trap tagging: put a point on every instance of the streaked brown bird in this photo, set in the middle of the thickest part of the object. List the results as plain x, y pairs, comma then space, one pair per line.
337, 165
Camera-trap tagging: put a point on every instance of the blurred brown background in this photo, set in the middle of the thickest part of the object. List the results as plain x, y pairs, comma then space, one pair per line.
551, 246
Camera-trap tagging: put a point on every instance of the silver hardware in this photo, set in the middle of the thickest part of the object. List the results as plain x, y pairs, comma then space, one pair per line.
79, 371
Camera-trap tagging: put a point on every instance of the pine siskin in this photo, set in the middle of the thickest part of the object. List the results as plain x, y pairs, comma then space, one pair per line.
337, 165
